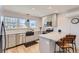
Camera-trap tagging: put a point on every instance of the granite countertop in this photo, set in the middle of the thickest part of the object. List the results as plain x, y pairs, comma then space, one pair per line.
17, 31
52, 36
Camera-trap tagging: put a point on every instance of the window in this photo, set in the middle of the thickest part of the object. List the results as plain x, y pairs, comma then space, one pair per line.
10, 22
32, 24
22, 22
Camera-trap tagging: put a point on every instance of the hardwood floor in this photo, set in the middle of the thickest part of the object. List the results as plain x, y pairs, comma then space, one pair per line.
22, 49
29, 49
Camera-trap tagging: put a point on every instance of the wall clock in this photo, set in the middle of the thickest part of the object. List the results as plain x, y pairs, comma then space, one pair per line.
75, 21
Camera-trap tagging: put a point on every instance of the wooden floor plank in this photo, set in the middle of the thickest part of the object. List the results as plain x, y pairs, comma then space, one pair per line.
22, 49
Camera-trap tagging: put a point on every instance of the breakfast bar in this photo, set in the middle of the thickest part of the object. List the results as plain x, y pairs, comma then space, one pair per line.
47, 41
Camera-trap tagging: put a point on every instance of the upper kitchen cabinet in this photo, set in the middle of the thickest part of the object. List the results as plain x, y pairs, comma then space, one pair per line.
49, 20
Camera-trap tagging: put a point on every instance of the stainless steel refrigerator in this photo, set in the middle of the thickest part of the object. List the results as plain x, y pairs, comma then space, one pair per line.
2, 37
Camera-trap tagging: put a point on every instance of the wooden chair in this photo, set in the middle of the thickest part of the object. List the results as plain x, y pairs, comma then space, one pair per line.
64, 44
72, 37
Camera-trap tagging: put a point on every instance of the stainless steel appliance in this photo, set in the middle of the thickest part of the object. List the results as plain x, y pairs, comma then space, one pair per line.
2, 38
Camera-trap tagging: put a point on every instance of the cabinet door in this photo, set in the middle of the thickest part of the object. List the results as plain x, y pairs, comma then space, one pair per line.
7, 41
17, 39
29, 38
36, 35
20, 38
12, 40
23, 38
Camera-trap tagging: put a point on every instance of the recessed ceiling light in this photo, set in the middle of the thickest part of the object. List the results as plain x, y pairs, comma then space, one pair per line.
33, 8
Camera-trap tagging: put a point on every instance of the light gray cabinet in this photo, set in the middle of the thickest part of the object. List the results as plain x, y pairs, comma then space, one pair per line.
20, 38
7, 42
11, 41
29, 38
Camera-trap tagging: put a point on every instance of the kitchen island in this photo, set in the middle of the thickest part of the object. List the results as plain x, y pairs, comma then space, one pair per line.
47, 41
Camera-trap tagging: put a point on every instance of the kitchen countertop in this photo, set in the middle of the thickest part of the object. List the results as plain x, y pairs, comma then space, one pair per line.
17, 31
53, 36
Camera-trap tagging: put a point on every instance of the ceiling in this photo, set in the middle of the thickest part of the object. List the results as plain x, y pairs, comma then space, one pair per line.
39, 10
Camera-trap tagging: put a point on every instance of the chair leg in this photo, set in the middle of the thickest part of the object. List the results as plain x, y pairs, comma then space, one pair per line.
55, 48
68, 50
59, 49
63, 50
75, 47
73, 50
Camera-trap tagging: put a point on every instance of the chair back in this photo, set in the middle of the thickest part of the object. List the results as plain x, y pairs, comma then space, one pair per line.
66, 40
62, 41
71, 37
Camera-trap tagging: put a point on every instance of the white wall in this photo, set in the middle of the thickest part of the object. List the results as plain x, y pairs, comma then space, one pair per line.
15, 14
1, 10
64, 23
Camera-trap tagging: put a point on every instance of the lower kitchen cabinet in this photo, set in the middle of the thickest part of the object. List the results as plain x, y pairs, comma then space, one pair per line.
20, 38
29, 38
10, 41
7, 42
23, 38
12, 44
14, 39
36, 35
